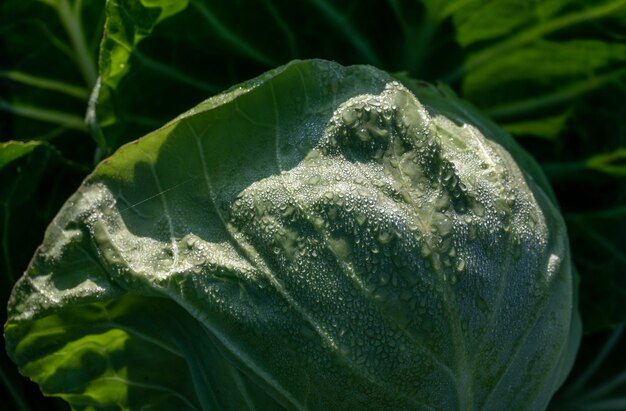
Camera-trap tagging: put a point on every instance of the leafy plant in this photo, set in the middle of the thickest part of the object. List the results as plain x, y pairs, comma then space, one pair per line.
549, 72
390, 233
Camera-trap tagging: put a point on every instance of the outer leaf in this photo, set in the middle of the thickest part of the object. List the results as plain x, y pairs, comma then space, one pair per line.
316, 238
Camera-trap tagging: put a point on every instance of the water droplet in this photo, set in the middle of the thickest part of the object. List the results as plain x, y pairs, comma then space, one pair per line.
363, 135
360, 219
384, 278
313, 180
340, 247
349, 116
384, 237
444, 226
288, 212
318, 222
445, 245
410, 168
378, 132
478, 209
443, 202
473, 232
436, 262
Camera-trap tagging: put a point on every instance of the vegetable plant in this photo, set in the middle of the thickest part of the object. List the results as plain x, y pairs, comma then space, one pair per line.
331, 234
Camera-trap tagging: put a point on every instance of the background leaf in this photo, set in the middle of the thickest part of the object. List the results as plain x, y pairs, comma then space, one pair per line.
598, 381
35, 185
47, 70
603, 256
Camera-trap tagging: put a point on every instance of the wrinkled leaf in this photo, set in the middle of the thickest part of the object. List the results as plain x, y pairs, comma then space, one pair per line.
316, 238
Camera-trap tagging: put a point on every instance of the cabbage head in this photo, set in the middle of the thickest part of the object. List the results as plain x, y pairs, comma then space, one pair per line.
318, 238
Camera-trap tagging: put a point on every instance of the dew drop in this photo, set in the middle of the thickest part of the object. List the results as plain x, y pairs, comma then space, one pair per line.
443, 202
410, 169
340, 247
363, 135
444, 226
473, 232
384, 278
349, 116
318, 222
360, 219
313, 180
478, 209
288, 212
436, 262
384, 237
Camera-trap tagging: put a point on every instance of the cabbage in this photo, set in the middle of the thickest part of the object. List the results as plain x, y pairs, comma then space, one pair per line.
321, 237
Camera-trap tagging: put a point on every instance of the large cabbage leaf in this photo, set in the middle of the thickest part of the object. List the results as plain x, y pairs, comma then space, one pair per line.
320, 237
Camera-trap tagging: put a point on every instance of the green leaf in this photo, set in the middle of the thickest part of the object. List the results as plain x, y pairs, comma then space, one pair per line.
598, 382
13, 150
36, 181
544, 76
234, 41
49, 66
538, 60
47, 84
613, 163
529, 23
63, 119
315, 238
549, 128
602, 237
